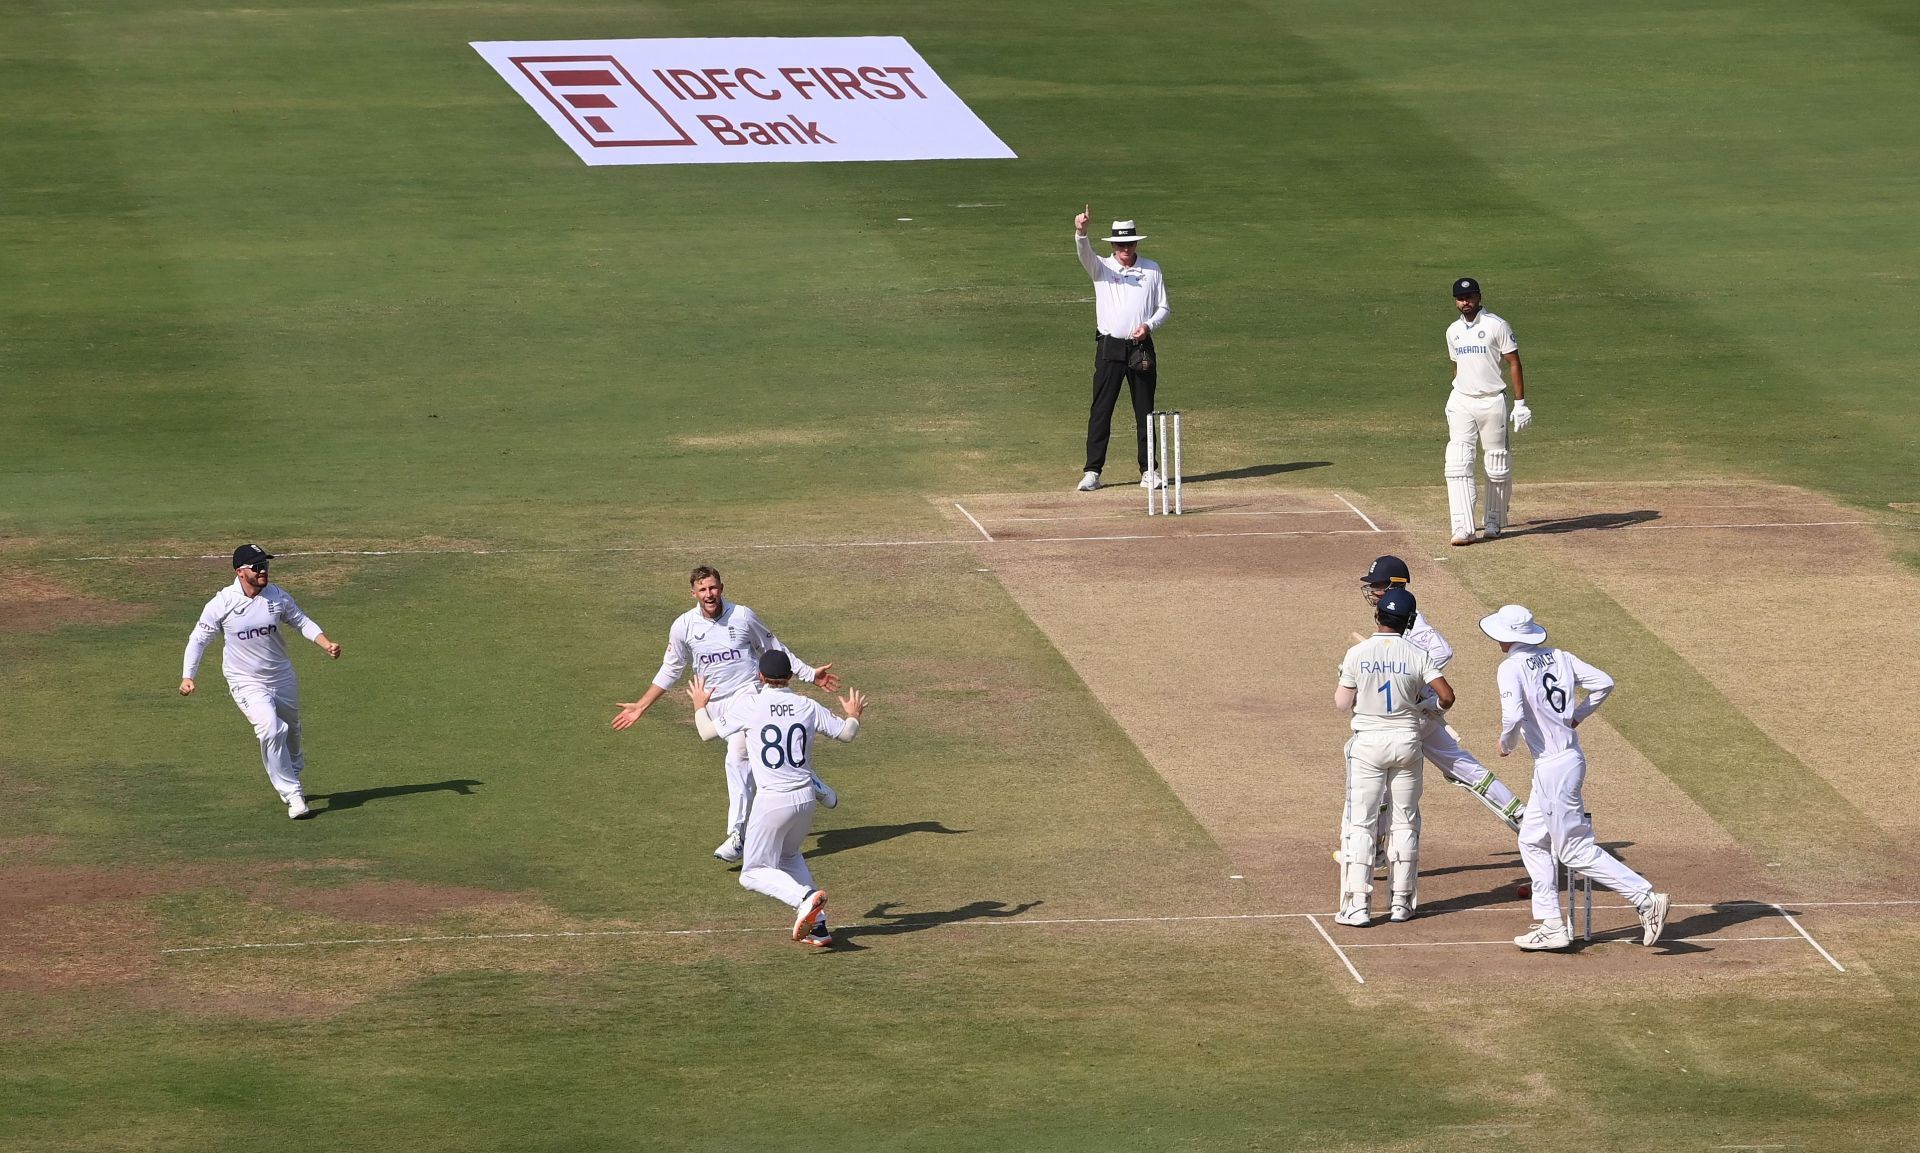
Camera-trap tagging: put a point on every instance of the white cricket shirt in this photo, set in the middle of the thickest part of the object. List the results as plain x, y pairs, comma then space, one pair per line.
1389, 674
252, 648
780, 725
1124, 298
725, 649
1477, 351
1537, 685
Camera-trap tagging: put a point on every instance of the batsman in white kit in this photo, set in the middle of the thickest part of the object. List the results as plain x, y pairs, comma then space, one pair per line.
722, 641
1438, 740
253, 656
1538, 685
779, 726
1478, 343
1383, 680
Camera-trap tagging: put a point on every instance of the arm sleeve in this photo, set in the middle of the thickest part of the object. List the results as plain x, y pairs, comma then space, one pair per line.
839, 728
204, 630
1598, 685
1512, 707
1504, 341
1083, 246
1162, 307
703, 724
679, 653
290, 613
760, 639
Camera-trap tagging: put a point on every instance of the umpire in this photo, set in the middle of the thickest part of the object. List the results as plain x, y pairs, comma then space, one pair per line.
1130, 301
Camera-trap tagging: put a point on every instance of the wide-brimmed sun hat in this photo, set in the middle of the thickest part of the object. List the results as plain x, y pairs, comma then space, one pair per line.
1125, 232
1513, 623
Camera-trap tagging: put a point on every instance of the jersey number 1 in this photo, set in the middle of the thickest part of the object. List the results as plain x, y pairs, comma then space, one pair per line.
1388, 689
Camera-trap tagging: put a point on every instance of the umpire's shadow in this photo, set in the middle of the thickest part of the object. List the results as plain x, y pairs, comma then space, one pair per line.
884, 922
354, 798
831, 841
1595, 520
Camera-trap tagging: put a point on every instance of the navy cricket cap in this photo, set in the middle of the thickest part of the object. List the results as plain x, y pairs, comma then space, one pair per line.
248, 554
775, 665
1395, 603
1464, 287
1387, 570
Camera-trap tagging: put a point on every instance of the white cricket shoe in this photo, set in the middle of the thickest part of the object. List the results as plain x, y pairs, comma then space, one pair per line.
811, 906
1089, 482
729, 849
1357, 917
1542, 937
297, 808
823, 792
1653, 918
1461, 541
1402, 909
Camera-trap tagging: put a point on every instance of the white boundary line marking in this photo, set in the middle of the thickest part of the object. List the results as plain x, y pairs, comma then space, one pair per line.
976, 524
1809, 936
1338, 951
1356, 511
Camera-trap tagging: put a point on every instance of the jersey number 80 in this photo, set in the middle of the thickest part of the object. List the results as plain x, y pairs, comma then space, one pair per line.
777, 749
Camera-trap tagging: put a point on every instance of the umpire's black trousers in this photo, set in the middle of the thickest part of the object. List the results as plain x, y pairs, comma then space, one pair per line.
1109, 368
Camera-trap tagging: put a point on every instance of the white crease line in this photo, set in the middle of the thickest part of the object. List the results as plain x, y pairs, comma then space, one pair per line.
1615, 940
1764, 524
1356, 511
466, 937
1338, 951
1199, 535
1809, 937
976, 524
1192, 510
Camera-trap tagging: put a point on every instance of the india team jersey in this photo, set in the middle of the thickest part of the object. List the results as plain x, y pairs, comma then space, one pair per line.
1537, 697
725, 650
1477, 351
1389, 673
780, 725
252, 648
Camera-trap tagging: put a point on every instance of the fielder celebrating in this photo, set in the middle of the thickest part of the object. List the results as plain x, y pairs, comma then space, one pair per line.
1382, 681
724, 640
780, 726
1537, 684
253, 657
1478, 343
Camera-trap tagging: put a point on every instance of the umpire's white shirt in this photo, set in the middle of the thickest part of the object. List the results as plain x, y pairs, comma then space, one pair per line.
1477, 351
252, 649
1124, 298
1537, 698
724, 649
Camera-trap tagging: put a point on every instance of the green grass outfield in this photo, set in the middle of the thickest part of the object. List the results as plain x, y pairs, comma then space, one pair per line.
311, 274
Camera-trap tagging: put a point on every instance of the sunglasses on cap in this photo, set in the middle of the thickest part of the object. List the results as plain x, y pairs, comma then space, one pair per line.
257, 566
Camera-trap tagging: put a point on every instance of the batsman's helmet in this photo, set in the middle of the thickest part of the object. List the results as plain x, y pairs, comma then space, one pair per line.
1387, 570
1395, 608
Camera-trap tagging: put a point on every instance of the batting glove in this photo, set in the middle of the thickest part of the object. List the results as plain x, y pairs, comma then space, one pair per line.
1522, 415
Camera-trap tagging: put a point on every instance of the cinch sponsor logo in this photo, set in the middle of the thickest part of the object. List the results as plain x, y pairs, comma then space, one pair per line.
250, 634
720, 658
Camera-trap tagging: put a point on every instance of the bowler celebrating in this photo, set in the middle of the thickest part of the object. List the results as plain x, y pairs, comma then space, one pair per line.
253, 656
723, 642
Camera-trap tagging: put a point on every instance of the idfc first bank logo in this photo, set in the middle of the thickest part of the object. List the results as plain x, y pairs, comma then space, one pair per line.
742, 100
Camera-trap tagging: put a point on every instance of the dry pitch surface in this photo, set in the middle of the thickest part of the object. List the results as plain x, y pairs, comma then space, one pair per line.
1213, 638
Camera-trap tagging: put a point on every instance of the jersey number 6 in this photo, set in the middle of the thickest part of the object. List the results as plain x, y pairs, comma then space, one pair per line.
1556, 696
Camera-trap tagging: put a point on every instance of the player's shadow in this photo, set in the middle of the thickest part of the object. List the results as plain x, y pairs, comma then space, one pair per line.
831, 841
354, 798
1252, 471
882, 921
1716, 919
1596, 520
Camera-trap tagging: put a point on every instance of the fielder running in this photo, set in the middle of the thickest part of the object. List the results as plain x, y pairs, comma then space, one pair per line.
1478, 343
780, 725
1537, 686
253, 657
724, 641
1382, 680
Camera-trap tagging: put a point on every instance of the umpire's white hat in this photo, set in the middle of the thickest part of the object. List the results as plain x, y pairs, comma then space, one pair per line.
1125, 232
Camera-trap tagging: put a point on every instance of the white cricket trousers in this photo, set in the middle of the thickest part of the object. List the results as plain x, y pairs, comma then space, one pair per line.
1456, 764
1381, 766
770, 860
1477, 421
1556, 829
739, 784
273, 709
